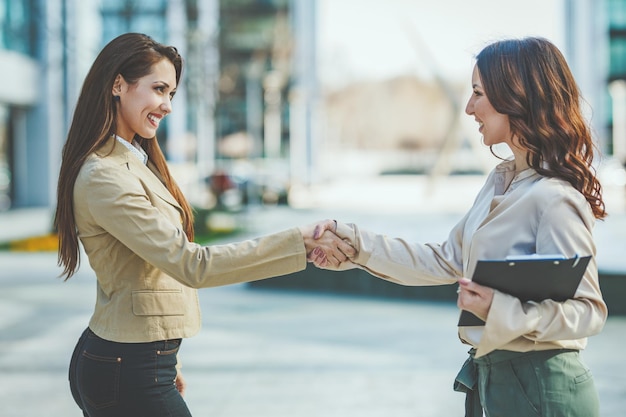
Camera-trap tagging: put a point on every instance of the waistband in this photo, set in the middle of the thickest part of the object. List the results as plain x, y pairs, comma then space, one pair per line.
467, 379
168, 344
498, 356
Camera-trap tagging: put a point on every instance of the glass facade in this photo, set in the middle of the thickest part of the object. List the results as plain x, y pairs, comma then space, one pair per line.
17, 34
121, 16
616, 13
250, 43
148, 17
17, 25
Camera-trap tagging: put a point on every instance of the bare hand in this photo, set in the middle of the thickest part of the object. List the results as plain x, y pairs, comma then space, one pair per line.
474, 298
181, 384
323, 247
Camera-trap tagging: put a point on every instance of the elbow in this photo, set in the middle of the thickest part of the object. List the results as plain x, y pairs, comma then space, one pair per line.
602, 313
593, 318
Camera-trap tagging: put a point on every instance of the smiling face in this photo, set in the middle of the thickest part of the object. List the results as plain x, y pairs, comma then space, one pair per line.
144, 104
494, 126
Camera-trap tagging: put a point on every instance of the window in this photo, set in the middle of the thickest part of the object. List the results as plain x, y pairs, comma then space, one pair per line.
121, 16
16, 24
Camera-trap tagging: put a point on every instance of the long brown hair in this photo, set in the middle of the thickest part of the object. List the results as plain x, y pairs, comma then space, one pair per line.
132, 55
529, 80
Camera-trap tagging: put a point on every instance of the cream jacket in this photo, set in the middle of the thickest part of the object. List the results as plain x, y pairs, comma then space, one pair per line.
534, 215
147, 271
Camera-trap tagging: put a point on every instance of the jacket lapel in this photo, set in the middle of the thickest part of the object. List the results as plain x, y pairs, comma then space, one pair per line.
148, 174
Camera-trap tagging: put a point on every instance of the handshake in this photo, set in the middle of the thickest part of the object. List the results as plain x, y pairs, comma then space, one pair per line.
323, 247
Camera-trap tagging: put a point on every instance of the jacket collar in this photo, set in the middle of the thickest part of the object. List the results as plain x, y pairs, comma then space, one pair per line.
147, 173
134, 148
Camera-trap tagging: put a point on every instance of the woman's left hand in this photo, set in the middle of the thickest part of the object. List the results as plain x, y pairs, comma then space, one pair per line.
181, 384
323, 247
474, 298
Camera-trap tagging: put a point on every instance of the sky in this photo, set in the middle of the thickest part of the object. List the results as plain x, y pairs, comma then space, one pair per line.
378, 39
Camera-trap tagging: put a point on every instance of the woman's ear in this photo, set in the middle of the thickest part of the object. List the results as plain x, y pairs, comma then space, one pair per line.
117, 85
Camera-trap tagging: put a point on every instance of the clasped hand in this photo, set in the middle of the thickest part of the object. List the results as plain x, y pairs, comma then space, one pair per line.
323, 246
474, 298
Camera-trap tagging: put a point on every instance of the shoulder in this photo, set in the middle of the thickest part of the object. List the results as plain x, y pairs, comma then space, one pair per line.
98, 166
104, 173
558, 197
109, 156
552, 190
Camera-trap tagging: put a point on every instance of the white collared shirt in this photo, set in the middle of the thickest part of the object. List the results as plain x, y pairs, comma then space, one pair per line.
134, 148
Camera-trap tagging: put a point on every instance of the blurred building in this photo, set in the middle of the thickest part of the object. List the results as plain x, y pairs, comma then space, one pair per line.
20, 94
267, 86
47, 48
249, 89
239, 69
596, 50
616, 117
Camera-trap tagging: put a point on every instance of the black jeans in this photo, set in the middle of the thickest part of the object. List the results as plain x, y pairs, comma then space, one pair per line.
125, 379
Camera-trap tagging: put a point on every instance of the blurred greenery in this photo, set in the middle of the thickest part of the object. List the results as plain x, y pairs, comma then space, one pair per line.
208, 230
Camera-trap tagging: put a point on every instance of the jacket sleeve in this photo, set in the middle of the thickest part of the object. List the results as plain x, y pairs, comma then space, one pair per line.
565, 227
396, 260
126, 213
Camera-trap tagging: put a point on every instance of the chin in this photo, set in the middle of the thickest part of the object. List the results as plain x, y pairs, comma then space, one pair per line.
147, 135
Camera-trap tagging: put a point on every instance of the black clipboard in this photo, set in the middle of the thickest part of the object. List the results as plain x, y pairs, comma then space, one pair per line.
529, 279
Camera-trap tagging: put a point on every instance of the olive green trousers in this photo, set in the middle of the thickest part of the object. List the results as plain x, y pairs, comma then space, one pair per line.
551, 383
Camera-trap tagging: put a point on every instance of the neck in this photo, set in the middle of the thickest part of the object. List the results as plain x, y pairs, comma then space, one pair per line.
520, 160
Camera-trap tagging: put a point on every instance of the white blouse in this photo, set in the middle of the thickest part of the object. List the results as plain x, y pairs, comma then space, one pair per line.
515, 213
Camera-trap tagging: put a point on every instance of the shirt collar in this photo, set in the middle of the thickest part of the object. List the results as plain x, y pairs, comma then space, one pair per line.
506, 176
135, 149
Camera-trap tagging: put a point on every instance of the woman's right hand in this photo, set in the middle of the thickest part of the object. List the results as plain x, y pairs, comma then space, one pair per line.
323, 247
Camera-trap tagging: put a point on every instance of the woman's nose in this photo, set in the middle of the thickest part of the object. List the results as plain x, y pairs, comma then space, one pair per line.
469, 107
166, 106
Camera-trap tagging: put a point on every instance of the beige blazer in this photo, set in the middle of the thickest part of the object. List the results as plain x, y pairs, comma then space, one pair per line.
147, 271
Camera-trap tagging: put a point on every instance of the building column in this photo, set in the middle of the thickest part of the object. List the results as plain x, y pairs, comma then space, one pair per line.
177, 132
617, 90
40, 131
586, 42
203, 81
303, 94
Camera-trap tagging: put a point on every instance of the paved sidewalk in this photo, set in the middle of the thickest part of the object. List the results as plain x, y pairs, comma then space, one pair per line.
276, 353
265, 353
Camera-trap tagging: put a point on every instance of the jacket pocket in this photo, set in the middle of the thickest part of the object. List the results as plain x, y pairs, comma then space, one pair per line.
158, 303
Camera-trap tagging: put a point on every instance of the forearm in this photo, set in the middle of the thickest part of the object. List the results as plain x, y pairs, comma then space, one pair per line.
265, 257
397, 260
548, 322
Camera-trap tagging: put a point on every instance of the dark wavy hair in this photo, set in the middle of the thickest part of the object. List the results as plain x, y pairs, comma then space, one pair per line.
132, 55
529, 80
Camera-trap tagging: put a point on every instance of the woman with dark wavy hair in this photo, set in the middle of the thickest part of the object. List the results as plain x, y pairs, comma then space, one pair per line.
525, 359
117, 197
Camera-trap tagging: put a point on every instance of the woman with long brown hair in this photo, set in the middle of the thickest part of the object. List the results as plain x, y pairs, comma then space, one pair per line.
117, 197
525, 359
